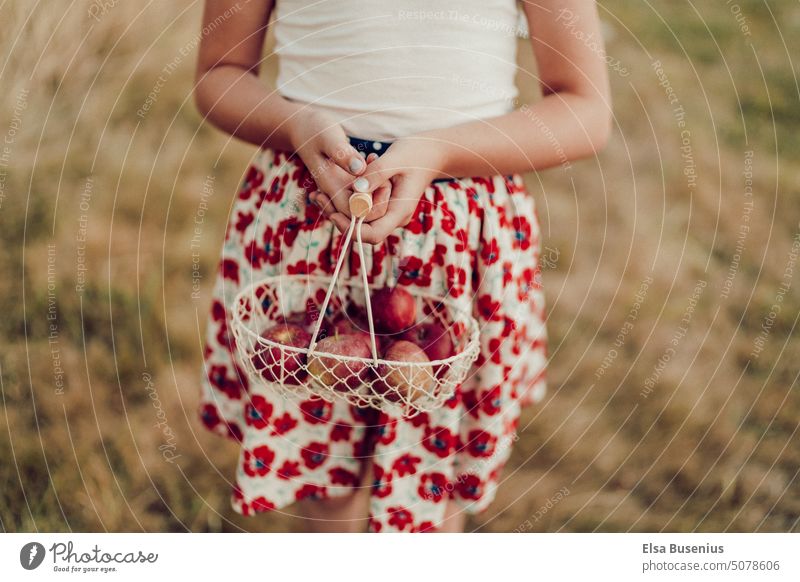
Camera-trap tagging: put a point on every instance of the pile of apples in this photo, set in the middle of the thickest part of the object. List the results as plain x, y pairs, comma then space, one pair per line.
405, 347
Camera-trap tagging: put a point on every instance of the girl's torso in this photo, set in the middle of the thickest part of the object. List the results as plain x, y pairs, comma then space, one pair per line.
387, 69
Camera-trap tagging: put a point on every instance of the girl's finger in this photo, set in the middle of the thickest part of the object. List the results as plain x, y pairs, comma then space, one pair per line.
323, 202
378, 172
340, 221
375, 236
335, 184
379, 197
341, 202
399, 210
341, 153
380, 200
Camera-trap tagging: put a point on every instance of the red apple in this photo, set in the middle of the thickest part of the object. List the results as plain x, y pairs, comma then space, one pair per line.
393, 309
433, 338
398, 379
356, 312
297, 318
307, 320
360, 327
333, 372
345, 325
271, 359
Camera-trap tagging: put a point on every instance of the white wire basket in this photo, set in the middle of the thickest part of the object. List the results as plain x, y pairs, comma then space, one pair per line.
281, 324
403, 388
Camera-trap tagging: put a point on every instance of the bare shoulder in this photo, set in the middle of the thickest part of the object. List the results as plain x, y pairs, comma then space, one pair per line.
233, 32
568, 44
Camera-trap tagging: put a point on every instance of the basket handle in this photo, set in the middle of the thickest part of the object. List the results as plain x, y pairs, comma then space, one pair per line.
360, 205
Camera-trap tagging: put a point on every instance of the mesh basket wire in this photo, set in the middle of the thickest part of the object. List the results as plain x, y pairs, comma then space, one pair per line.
291, 362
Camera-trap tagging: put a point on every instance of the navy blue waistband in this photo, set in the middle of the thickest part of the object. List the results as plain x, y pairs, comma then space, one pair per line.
367, 147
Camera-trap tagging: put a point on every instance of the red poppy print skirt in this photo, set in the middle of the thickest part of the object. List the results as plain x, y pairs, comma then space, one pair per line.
472, 240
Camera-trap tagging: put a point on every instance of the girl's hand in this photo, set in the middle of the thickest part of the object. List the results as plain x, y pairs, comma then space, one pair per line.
402, 174
325, 150
380, 199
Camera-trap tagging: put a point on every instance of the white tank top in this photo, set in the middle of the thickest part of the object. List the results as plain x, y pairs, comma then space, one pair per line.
390, 68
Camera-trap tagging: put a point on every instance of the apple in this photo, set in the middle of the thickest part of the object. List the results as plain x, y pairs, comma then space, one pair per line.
355, 311
433, 338
333, 372
297, 318
393, 309
360, 327
271, 359
345, 325
398, 381
307, 319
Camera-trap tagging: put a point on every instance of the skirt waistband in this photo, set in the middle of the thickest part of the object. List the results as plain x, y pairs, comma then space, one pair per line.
367, 147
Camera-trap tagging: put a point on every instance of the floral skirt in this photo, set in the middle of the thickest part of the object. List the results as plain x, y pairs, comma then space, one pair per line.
472, 240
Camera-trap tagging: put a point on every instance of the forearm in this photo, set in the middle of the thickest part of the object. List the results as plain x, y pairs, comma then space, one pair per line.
559, 128
237, 102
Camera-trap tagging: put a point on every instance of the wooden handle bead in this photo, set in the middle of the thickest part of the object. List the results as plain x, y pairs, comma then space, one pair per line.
360, 204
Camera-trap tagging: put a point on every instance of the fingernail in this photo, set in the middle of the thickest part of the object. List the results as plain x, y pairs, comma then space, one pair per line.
361, 185
356, 164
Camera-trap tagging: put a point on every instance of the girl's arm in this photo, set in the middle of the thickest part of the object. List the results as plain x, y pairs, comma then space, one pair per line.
230, 95
573, 120
228, 91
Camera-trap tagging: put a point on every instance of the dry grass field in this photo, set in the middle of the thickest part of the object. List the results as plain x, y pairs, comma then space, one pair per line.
671, 279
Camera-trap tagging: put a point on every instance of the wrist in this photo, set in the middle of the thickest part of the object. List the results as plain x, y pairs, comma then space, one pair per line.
431, 153
447, 155
294, 126
304, 119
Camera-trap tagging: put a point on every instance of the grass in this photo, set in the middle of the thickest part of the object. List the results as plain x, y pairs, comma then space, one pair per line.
713, 447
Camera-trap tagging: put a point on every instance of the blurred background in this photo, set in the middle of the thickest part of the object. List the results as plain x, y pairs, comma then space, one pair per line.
669, 265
